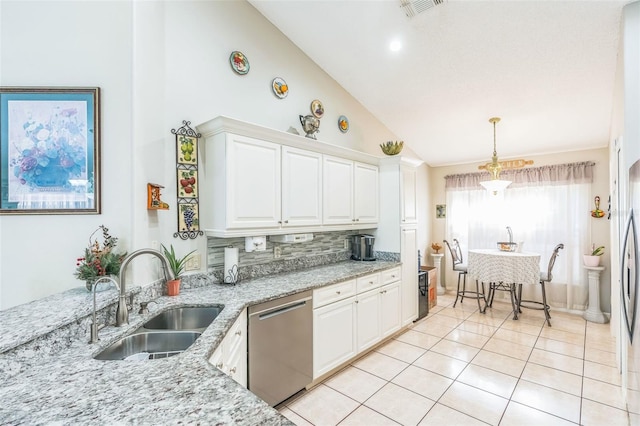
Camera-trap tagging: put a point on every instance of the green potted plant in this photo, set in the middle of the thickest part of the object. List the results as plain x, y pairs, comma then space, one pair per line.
177, 266
100, 258
593, 259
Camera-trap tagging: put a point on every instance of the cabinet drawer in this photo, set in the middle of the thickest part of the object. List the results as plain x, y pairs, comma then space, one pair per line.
333, 293
368, 282
391, 275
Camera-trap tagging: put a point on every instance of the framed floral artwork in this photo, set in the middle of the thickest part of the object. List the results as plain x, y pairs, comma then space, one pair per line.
49, 150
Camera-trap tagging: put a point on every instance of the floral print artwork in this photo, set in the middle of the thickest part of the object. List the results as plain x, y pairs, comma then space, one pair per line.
47, 146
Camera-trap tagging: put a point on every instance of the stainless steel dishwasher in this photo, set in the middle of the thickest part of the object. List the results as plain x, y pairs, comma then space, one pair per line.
281, 347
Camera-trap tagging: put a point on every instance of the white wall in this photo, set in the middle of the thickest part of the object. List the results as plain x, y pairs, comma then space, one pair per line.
599, 230
157, 63
67, 44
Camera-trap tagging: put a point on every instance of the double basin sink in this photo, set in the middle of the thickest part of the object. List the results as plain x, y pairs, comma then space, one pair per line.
167, 333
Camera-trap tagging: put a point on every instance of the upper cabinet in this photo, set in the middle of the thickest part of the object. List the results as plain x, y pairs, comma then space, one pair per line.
258, 181
365, 193
301, 187
253, 183
350, 192
408, 195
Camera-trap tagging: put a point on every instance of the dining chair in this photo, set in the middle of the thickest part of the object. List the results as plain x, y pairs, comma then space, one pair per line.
458, 266
545, 277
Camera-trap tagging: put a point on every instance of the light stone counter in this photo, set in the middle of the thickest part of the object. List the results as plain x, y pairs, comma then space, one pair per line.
54, 378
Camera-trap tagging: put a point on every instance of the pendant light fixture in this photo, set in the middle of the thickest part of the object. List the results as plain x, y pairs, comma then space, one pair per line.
495, 185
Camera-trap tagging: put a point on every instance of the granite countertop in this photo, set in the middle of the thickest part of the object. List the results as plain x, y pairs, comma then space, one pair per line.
65, 385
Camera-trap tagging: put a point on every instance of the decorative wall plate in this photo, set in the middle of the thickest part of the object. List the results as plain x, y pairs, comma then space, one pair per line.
239, 62
317, 109
280, 87
343, 124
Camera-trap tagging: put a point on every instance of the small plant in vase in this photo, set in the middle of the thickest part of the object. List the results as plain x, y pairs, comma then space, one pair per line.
100, 258
177, 266
593, 259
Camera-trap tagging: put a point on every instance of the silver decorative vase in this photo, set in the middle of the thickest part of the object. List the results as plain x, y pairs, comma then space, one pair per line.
310, 125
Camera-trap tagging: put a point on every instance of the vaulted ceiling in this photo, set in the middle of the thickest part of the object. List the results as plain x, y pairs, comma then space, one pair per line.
547, 68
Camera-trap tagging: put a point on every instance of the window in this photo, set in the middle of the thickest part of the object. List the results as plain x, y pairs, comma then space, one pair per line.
544, 206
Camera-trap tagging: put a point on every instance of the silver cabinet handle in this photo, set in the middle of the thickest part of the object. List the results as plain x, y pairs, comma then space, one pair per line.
338, 292
232, 370
219, 365
286, 221
239, 333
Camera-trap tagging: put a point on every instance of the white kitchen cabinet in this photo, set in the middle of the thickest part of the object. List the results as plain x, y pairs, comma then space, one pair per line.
257, 181
334, 335
365, 193
337, 191
253, 188
390, 318
301, 187
368, 323
409, 213
350, 192
231, 355
409, 290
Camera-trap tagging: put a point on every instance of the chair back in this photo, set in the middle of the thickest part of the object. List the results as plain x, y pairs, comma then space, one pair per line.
456, 252
552, 260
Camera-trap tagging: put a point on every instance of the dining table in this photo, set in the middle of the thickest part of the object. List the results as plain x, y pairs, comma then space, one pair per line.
504, 270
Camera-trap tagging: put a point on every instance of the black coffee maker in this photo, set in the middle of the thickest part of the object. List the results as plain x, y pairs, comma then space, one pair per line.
362, 247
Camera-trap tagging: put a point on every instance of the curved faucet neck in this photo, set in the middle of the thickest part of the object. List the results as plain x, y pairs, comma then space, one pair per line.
122, 315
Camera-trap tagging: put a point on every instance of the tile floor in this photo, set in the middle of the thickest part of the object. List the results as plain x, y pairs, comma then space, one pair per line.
460, 367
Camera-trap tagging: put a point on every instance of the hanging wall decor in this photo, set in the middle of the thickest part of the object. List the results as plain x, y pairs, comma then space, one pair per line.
280, 87
50, 150
239, 62
154, 201
187, 181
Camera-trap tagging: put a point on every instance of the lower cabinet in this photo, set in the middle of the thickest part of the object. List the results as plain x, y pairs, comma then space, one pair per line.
334, 335
390, 306
346, 322
231, 355
409, 257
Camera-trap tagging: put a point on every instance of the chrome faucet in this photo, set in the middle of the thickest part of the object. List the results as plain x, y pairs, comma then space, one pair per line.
122, 314
94, 324
510, 234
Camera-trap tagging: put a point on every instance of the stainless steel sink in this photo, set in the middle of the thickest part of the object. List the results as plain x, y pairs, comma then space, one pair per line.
150, 345
188, 318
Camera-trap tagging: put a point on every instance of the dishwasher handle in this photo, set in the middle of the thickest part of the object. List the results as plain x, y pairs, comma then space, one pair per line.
279, 310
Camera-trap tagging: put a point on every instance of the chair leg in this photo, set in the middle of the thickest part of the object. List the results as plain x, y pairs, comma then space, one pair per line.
478, 294
464, 285
457, 292
544, 304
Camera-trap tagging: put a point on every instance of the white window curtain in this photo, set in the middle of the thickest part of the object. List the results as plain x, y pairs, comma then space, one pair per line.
544, 206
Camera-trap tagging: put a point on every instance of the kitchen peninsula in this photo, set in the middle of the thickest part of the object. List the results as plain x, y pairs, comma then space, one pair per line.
49, 374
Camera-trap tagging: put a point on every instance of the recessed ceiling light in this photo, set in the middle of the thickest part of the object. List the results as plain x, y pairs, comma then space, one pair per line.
395, 45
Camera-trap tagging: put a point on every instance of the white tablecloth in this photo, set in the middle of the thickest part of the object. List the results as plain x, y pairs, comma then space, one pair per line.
494, 266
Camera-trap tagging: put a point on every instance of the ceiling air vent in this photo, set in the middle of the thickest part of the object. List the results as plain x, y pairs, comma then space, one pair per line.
413, 7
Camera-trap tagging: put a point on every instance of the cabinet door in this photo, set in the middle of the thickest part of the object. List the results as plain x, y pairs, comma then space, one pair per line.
409, 292
301, 187
334, 335
235, 350
368, 319
216, 358
337, 191
365, 193
408, 191
253, 183
390, 308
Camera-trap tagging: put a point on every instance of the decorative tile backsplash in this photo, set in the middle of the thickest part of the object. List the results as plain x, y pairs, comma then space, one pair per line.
325, 248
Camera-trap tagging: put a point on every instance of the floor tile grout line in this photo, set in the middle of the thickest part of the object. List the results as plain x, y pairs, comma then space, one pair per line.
467, 317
